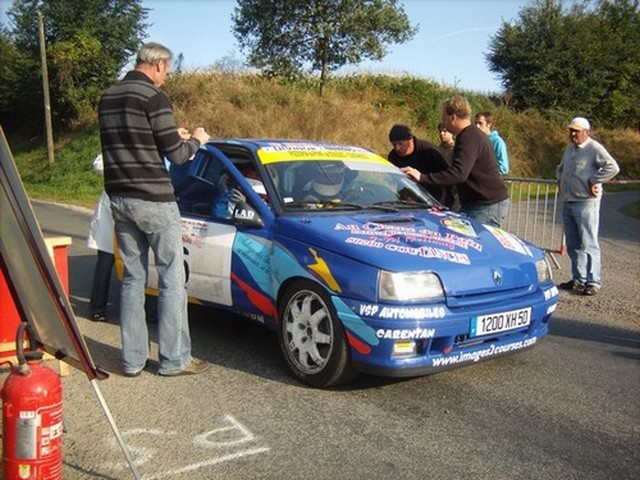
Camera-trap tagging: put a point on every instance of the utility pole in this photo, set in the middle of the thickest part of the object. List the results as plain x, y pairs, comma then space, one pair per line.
45, 88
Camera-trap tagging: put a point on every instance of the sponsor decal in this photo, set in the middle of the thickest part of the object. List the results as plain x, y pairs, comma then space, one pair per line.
354, 324
464, 357
258, 299
509, 241
365, 242
358, 345
402, 313
378, 234
253, 252
430, 252
311, 147
194, 232
388, 238
255, 256
459, 225
406, 334
244, 214
282, 152
321, 268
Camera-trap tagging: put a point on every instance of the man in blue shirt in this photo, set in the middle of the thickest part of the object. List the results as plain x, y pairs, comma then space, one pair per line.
484, 121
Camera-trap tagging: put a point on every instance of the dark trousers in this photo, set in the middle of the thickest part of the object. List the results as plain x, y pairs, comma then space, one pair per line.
101, 281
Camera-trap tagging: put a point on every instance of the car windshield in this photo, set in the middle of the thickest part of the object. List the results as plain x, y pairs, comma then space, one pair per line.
345, 184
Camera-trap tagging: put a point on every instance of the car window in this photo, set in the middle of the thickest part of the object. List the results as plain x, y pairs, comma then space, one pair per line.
358, 184
209, 189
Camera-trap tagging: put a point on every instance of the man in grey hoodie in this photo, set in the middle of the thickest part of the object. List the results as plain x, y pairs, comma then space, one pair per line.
585, 165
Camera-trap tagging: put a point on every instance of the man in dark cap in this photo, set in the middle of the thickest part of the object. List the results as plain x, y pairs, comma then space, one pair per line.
409, 151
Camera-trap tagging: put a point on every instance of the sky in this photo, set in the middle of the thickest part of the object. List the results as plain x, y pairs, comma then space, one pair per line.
449, 48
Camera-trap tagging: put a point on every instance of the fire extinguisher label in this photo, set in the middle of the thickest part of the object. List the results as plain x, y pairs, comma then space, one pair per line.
51, 431
26, 435
24, 471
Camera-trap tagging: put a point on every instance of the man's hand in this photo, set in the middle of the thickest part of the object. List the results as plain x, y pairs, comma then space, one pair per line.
184, 133
201, 135
596, 189
411, 173
237, 196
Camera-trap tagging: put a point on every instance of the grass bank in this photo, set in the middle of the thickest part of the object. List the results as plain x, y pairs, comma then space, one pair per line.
357, 109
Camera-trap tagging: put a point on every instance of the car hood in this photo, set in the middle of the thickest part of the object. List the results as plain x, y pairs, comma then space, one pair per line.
468, 256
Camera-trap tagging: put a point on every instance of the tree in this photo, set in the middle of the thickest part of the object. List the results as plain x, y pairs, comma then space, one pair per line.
88, 44
289, 37
584, 60
15, 79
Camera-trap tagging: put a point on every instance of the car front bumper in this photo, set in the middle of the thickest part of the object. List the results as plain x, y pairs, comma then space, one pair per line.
437, 338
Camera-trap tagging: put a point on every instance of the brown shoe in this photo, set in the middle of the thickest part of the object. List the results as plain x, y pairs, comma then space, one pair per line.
571, 285
194, 368
590, 290
136, 373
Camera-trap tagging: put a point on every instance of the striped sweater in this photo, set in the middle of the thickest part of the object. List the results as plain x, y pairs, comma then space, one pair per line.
137, 130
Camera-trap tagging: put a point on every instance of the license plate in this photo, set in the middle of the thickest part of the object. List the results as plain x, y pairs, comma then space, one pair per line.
500, 322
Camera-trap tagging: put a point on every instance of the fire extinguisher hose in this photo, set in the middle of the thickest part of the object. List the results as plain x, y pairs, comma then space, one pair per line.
32, 354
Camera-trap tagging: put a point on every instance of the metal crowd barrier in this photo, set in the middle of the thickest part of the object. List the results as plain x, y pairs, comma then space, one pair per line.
535, 215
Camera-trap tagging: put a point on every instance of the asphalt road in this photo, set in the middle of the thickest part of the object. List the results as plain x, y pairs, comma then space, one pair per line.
568, 408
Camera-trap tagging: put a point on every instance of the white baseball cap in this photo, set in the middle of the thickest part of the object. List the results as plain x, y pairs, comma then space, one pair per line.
579, 123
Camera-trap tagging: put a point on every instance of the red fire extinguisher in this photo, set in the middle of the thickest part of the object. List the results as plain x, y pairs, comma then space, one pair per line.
31, 418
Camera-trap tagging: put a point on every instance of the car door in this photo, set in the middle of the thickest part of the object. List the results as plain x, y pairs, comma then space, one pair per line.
210, 231
207, 240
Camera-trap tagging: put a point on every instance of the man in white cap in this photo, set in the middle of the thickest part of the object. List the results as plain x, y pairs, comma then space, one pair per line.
585, 165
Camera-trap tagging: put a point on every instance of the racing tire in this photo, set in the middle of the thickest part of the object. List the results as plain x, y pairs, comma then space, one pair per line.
312, 338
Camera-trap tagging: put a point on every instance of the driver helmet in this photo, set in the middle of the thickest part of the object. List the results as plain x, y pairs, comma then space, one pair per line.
329, 179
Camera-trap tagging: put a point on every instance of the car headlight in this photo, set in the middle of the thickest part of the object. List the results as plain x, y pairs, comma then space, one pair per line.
543, 270
409, 286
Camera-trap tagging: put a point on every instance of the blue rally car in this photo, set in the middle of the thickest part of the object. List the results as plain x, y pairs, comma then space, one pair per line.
353, 264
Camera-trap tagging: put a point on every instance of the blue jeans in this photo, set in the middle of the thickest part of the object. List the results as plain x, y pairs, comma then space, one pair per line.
142, 225
581, 222
490, 214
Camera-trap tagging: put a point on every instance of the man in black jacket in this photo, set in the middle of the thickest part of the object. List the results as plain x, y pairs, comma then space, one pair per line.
482, 191
409, 151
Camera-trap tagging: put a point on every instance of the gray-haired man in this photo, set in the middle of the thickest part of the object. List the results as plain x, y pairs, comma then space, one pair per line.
137, 131
584, 166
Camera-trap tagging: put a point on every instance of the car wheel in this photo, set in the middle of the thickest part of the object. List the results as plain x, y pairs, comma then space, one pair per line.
312, 338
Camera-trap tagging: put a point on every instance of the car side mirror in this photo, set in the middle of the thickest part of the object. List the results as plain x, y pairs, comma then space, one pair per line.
244, 214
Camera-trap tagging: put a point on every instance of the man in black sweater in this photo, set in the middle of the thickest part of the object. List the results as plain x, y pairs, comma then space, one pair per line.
409, 151
137, 131
482, 191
